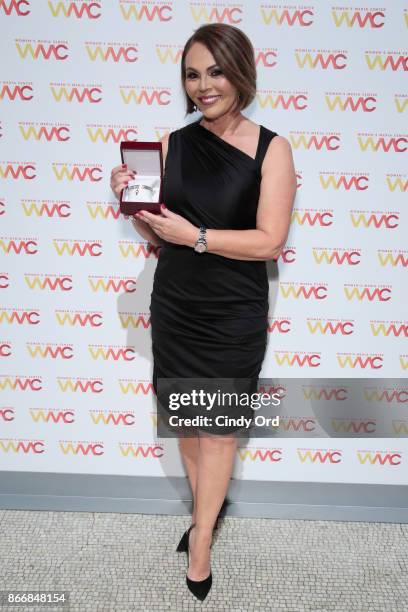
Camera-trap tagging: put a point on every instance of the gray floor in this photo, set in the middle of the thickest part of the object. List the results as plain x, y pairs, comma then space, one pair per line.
123, 562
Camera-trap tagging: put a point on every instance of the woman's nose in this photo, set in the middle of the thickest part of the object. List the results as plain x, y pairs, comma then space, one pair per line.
203, 83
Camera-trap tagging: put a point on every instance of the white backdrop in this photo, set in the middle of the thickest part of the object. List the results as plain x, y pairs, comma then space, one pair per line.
76, 364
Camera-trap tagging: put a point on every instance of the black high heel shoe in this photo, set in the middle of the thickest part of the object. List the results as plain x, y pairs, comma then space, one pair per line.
199, 588
182, 545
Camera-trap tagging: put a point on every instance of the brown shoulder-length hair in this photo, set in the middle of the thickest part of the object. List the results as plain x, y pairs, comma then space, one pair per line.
234, 54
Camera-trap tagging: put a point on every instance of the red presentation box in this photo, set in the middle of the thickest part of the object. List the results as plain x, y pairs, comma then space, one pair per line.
146, 159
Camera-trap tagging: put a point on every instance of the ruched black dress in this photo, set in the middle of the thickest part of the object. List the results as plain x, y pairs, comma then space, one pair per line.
208, 313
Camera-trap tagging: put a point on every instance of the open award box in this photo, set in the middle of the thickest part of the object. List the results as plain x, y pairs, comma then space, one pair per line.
144, 192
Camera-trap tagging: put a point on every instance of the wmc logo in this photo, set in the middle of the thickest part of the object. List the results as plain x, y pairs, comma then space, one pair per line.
51, 350
360, 360
46, 208
81, 385
259, 454
77, 247
312, 58
291, 16
103, 210
376, 220
113, 133
358, 17
77, 172
113, 51
112, 417
352, 102
135, 387
330, 326
45, 132
316, 141
46, 50
17, 246
146, 11
211, 12
138, 249
18, 170
389, 328
141, 451
115, 284
71, 447
376, 60
338, 256
19, 316
50, 282
379, 458
146, 95
114, 353
12, 91
303, 290
169, 53
312, 217
301, 359
393, 258
50, 415
297, 101
79, 318
372, 293
70, 92
347, 181
20, 383
383, 143
77, 8
319, 456
134, 321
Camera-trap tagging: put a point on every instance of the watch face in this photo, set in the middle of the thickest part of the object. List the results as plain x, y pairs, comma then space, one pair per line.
200, 247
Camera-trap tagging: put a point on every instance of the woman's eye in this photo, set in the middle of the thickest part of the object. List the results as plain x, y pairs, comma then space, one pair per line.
192, 75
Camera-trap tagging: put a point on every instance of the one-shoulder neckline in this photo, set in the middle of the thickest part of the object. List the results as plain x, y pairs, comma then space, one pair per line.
258, 147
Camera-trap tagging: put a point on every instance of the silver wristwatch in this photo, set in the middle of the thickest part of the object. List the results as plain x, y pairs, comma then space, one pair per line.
201, 244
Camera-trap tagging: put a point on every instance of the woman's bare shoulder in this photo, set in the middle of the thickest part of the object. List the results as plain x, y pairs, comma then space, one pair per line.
279, 155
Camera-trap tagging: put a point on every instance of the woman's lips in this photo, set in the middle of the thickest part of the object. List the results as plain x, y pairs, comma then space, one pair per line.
207, 100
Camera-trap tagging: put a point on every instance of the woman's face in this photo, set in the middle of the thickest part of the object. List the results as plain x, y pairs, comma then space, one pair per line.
206, 85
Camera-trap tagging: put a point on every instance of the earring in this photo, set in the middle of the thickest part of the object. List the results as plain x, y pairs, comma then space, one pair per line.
194, 107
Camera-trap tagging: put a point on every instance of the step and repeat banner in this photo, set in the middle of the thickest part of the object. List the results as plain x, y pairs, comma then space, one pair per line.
77, 78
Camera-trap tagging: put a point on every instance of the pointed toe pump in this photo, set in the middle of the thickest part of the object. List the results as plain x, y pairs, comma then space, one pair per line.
199, 588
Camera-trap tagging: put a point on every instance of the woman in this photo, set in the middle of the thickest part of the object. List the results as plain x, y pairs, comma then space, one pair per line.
229, 187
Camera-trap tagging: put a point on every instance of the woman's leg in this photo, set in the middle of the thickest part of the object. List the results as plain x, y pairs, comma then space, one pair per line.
215, 464
189, 448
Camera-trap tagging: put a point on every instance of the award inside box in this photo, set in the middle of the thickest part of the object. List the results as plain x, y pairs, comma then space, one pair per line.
144, 192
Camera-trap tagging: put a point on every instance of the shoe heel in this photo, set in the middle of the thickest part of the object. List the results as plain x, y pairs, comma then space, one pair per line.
183, 544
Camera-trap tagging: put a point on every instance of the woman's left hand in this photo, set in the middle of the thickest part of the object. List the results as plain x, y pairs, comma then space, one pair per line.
170, 226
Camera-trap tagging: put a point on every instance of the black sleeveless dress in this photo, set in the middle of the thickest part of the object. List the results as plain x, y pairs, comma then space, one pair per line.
209, 313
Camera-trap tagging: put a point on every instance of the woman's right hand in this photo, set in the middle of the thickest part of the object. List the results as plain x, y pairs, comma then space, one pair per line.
120, 176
